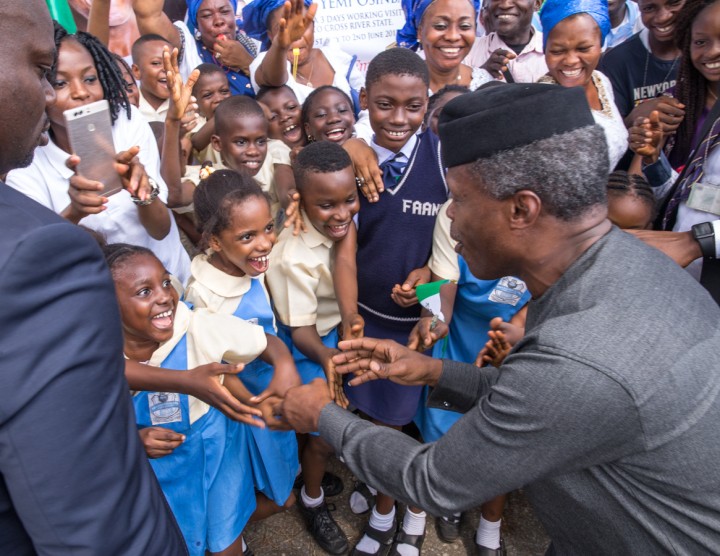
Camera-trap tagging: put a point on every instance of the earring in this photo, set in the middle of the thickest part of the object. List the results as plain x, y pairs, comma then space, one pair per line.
310, 138
197, 34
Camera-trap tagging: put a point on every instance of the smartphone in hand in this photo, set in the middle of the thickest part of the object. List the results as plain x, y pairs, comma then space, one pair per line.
89, 129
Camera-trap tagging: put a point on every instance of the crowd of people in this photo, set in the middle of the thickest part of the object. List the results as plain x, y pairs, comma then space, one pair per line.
488, 262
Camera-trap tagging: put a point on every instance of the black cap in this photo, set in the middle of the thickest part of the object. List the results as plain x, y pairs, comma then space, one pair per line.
499, 118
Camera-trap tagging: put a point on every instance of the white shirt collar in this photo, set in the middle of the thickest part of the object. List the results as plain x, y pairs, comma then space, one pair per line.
384, 154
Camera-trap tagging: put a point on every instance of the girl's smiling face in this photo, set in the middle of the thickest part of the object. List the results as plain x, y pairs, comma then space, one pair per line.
146, 298
705, 44
243, 248
330, 118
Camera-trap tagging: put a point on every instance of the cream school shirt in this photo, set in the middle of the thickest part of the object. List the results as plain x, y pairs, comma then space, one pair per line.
277, 153
215, 290
443, 259
301, 282
211, 338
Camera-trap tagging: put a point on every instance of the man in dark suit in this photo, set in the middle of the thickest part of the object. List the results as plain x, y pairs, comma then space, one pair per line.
74, 478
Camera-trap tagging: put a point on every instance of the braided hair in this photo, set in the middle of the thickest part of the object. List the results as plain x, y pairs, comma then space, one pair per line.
109, 75
117, 254
690, 88
621, 183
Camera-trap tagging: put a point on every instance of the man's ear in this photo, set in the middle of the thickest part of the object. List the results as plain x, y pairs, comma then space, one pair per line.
216, 143
525, 209
135, 71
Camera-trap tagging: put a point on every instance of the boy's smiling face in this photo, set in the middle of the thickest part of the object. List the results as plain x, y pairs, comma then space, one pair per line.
284, 116
243, 143
330, 200
149, 71
396, 105
210, 90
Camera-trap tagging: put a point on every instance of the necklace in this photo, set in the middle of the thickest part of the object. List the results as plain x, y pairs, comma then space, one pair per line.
307, 79
712, 93
647, 61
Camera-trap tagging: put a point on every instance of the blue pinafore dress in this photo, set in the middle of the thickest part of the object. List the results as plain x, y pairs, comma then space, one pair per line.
273, 454
207, 479
477, 302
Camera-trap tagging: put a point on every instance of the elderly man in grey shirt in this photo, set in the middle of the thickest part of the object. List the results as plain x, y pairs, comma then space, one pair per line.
607, 411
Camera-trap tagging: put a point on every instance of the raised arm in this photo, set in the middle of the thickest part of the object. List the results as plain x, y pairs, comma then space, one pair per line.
151, 19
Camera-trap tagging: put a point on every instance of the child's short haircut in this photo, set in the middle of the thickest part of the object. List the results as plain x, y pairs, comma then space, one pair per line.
442, 92
396, 61
264, 90
118, 254
621, 183
138, 44
323, 157
215, 197
234, 107
305, 114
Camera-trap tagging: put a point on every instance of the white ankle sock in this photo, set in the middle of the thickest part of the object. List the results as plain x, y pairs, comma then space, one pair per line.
488, 533
413, 524
381, 523
358, 504
311, 502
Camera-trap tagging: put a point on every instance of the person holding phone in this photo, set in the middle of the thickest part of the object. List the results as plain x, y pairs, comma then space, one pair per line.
85, 73
73, 474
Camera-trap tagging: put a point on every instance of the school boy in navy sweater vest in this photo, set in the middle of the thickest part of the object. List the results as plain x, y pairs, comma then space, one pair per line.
394, 238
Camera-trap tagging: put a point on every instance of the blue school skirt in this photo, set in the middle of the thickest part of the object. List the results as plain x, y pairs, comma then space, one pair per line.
477, 302
273, 454
307, 368
206, 480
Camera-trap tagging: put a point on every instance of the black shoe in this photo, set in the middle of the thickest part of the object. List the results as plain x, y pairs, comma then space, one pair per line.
385, 538
331, 484
248, 551
404, 538
448, 528
323, 528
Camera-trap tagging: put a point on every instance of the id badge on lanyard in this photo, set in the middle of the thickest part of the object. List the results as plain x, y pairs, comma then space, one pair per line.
705, 197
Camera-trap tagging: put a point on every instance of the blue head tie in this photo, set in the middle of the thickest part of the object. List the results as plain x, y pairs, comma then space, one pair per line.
554, 11
407, 37
193, 8
255, 16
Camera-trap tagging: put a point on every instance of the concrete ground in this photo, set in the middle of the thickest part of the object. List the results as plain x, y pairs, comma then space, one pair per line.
285, 534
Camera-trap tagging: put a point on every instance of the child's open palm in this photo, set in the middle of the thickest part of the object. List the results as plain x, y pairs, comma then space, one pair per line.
294, 23
182, 103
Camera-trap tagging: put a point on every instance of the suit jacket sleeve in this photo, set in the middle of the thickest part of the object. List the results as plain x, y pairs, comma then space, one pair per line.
70, 457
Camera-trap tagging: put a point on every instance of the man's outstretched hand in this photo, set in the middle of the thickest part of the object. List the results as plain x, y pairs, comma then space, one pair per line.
369, 359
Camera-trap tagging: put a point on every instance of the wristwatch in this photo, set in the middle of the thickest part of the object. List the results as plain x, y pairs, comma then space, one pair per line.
154, 192
704, 233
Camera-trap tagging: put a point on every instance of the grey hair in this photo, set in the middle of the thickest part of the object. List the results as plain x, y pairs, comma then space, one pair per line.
569, 171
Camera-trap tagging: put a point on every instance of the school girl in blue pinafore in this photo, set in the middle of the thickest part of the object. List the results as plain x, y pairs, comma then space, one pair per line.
273, 454
207, 474
406, 210
238, 229
477, 302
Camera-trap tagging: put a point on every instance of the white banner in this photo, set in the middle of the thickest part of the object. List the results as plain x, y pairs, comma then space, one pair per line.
359, 27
